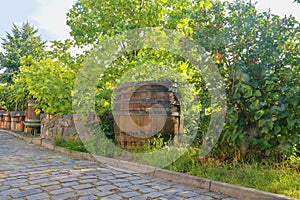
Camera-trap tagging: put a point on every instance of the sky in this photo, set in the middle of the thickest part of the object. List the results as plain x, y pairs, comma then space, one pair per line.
49, 16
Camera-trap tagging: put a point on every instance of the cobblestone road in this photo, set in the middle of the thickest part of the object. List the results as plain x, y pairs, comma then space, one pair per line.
32, 172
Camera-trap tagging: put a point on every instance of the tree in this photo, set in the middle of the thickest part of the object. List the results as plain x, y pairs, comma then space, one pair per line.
48, 80
258, 56
22, 42
89, 19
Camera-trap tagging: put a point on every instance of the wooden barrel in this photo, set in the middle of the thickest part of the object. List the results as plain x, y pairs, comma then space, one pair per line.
31, 112
14, 118
142, 110
1, 120
2, 111
26, 128
20, 124
7, 120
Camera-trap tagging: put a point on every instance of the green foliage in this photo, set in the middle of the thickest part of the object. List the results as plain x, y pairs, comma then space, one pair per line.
75, 145
50, 83
91, 20
155, 143
22, 42
186, 162
257, 54
48, 80
258, 57
13, 96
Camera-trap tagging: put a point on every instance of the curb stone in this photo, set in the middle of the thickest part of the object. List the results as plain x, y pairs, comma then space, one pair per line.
239, 192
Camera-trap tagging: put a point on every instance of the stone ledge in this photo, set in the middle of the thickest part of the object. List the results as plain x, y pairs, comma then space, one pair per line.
48, 144
245, 193
235, 191
182, 178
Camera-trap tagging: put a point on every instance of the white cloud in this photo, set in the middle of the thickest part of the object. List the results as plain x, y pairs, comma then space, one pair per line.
50, 16
280, 7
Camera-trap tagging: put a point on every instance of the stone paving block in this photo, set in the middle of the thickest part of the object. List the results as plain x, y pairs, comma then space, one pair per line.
38, 176
106, 187
215, 195
91, 197
123, 184
201, 197
49, 183
61, 191
112, 197
38, 181
57, 178
87, 177
170, 198
14, 181
68, 184
65, 196
11, 178
124, 189
2, 188
105, 177
123, 176
82, 186
8, 192
140, 198
130, 194
187, 194
88, 180
117, 180
26, 193
147, 190
161, 187
30, 187
137, 187
17, 185
133, 178
104, 193
98, 183
154, 194
88, 191
39, 196
68, 180
141, 181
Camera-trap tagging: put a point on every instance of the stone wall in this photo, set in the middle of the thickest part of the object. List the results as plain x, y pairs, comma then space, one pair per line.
59, 125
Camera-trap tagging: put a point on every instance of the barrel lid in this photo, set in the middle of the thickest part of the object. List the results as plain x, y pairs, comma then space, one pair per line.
32, 101
6, 113
167, 84
144, 101
141, 113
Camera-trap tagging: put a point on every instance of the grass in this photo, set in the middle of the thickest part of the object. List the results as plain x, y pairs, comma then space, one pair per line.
75, 145
275, 178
